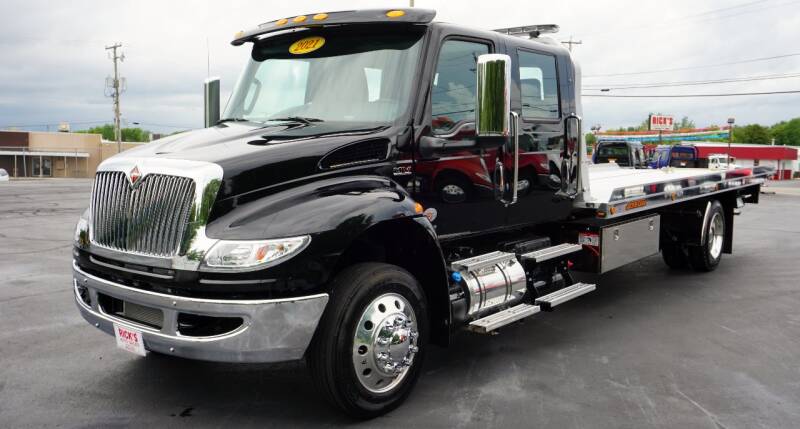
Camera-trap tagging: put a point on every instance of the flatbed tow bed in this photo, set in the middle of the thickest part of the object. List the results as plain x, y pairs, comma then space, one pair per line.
613, 188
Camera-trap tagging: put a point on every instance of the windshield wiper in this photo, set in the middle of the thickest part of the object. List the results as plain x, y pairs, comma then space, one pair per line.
223, 120
302, 119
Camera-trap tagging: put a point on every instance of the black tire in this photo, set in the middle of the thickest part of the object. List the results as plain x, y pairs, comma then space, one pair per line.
453, 188
532, 179
674, 256
706, 257
332, 355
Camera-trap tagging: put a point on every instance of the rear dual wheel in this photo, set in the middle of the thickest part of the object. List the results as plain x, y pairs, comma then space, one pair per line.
705, 257
367, 353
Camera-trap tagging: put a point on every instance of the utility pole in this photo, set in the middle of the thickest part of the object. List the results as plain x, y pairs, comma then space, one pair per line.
410, 3
115, 86
570, 42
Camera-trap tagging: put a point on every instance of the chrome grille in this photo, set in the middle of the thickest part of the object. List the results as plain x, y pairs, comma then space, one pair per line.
149, 219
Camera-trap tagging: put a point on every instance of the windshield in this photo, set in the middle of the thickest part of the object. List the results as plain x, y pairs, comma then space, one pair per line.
334, 75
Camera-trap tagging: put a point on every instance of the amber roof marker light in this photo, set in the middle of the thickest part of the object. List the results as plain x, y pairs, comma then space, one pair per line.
395, 13
319, 16
300, 18
281, 21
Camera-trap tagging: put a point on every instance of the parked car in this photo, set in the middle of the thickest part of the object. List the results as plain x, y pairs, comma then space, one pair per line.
3, 175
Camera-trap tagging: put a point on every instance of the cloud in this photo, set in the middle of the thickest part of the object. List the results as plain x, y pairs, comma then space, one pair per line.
54, 63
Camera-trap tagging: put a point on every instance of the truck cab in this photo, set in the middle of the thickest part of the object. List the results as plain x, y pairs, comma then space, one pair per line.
623, 153
377, 183
721, 162
681, 156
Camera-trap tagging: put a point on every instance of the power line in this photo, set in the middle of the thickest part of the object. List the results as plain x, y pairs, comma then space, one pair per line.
752, 60
687, 18
53, 123
690, 82
691, 95
164, 125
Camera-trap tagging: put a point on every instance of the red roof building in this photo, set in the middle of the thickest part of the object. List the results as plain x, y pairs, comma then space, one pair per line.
784, 159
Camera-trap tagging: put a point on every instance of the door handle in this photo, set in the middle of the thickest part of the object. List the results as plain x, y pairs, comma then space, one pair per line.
515, 180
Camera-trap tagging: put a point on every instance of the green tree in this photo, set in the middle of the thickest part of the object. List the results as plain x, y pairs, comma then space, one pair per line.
128, 134
684, 124
753, 133
590, 139
786, 133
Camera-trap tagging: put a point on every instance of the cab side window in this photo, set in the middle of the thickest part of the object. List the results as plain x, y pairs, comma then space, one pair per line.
538, 85
454, 84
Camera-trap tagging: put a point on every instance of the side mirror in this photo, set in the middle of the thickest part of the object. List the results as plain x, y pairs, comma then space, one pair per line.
211, 101
493, 103
569, 156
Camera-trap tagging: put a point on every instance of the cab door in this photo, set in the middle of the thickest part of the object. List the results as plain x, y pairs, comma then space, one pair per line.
536, 97
457, 188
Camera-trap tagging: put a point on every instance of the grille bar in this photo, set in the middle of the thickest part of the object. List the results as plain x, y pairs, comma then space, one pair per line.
150, 218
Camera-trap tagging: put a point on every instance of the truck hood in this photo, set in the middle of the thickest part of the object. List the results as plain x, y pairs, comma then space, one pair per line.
257, 157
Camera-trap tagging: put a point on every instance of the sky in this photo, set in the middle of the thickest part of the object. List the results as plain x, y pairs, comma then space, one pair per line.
53, 64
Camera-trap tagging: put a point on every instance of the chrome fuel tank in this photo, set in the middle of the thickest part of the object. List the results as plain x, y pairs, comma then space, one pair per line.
490, 280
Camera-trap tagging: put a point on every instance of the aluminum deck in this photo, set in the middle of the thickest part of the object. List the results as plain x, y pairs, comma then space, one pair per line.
617, 191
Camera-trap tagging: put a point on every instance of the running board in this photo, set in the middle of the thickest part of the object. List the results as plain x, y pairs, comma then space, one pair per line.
502, 318
553, 252
547, 302
481, 261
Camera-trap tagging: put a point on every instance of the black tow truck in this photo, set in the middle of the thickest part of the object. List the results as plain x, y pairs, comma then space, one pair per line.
377, 182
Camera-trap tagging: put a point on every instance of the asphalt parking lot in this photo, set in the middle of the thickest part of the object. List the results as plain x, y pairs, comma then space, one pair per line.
649, 348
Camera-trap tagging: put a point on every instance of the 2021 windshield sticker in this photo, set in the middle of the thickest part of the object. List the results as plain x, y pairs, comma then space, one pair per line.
306, 45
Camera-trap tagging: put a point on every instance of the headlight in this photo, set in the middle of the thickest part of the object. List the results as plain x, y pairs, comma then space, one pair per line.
251, 255
82, 230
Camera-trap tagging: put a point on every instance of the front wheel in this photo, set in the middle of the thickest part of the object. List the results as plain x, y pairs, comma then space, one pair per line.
367, 354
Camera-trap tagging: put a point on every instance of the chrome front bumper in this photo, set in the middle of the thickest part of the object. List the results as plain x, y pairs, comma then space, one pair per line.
274, 330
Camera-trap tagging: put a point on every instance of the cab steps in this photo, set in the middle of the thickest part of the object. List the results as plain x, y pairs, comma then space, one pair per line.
547, 302
492, 322
508, 316
552, 252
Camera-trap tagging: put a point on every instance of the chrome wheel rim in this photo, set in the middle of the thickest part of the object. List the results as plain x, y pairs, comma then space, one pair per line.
453, 194
385, 343
716, 231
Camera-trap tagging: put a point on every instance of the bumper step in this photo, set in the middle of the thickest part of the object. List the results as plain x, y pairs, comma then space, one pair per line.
552, 252
502, 318
547, 302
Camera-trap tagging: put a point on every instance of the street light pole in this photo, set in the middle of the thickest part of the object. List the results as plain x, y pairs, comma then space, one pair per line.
731, 121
